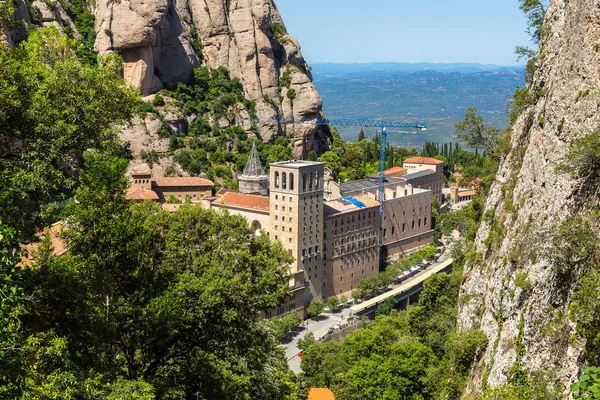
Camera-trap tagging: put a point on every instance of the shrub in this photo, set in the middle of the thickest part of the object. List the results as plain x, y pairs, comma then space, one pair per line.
158, 100
522, 280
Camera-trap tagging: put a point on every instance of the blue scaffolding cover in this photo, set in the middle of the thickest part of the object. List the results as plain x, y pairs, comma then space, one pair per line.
357, 203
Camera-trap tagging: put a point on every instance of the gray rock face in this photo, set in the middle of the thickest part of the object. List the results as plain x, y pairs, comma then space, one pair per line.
543, 198
154, 37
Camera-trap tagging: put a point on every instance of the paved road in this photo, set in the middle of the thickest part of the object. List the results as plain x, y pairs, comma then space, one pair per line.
319, 328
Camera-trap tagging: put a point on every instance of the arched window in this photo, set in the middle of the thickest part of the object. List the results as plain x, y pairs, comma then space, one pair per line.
276, 179
291, 181
304, 181
310, 181
317, 179
284, 180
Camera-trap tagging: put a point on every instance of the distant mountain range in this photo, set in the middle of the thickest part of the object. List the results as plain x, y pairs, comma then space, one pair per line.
438, 94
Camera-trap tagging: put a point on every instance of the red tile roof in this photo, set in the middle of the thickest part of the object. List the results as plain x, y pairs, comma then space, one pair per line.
464, 193
183, 181
423, 160
320, 394
242, 200
171, 207
58, 246
140, 193
396, 170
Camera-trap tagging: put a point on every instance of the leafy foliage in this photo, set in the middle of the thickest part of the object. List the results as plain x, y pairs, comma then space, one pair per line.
315, 307
416, 353
51, 107
170, 302
585, 312
474, 133
283, 325
588, 386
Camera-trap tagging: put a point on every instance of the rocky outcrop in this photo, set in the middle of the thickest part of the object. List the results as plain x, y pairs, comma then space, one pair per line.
159, 39
512, 288
53, 14
16, 33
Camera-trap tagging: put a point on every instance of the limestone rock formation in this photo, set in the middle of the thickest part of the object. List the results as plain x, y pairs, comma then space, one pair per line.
159, 39
529, 200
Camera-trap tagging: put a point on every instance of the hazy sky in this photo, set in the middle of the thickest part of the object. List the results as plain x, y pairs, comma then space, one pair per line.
483, 31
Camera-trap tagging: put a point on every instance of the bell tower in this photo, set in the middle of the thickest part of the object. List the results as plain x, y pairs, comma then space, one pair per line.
254, 180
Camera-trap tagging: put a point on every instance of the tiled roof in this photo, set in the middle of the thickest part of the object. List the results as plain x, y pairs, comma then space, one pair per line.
464, 193
183, 181
171, 207
320, 394
140, 193
58, 246
395, 170
242, 200
423, 160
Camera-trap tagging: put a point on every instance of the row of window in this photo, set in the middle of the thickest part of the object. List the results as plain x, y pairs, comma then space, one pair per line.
289, 209
404, 227
362, 216
307, 180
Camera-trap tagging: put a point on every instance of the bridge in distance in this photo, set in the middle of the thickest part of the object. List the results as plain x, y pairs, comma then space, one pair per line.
404, 294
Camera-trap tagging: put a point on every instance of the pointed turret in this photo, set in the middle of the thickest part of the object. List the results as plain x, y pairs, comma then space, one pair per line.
254, 180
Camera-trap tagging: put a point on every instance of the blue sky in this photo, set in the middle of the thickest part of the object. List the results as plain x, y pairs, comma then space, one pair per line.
347, 31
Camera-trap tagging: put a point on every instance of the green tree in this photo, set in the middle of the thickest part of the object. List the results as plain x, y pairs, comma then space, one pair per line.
283, 325
52, 107
312, 155
536, 12
332, 161
474, 133
387, 307
397, 375
170, 299
306, 341
332, 302
361, 135
315, 307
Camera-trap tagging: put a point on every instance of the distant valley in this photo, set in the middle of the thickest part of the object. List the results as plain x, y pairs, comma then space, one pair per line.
438, 94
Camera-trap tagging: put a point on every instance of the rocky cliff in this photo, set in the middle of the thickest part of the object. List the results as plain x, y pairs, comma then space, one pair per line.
514, 289
162, 41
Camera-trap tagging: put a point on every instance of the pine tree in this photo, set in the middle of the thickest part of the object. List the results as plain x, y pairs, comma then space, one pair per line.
361, 135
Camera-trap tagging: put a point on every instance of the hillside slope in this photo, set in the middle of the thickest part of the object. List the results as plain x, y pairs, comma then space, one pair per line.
518, 287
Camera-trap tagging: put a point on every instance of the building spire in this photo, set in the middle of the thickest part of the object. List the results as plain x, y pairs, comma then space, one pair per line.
254, 166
